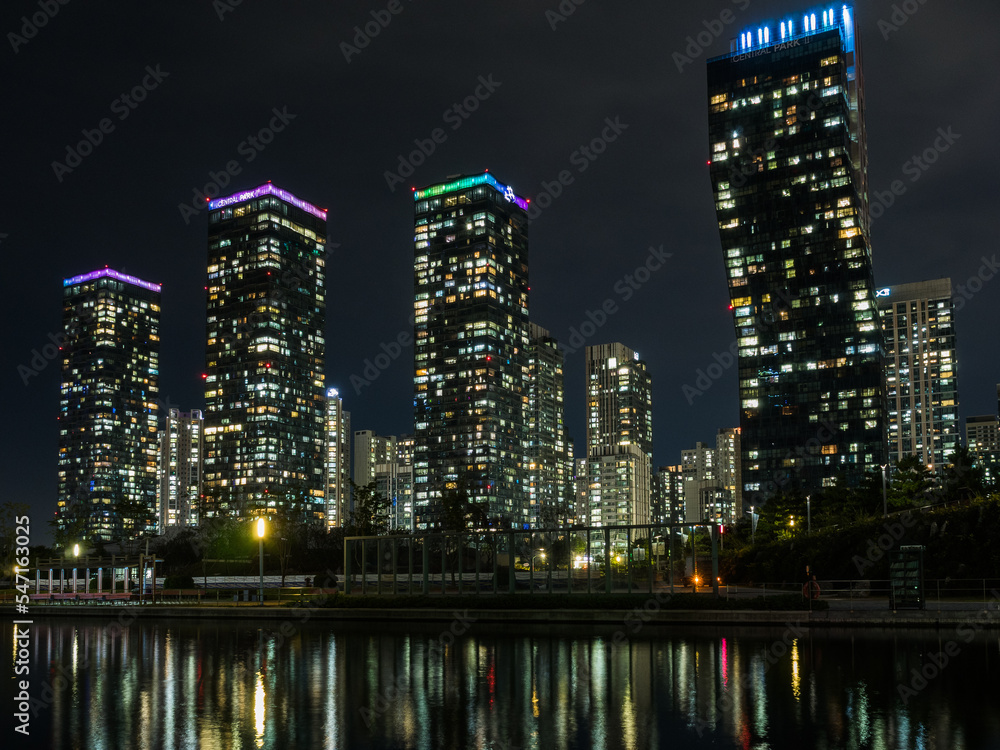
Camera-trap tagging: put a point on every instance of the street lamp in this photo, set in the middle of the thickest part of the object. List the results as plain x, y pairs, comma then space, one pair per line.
260, 537
753, 524
809, 517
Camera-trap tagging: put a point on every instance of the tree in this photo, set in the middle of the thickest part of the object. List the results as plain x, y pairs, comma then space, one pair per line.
370, 516
782, 516
459, 514
911, 484
963, 478
134, 517
68, 529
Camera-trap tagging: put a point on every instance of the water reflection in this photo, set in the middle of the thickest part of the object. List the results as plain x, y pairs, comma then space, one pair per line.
232, 685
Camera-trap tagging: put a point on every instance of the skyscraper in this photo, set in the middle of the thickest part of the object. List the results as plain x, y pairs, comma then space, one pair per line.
107, 469
264, 396
729, 468
921, 371
369, 451
338, 461
470, 351
701, 483
619, 435
789, 171
181, 453
394, 481
667, 500
548, 449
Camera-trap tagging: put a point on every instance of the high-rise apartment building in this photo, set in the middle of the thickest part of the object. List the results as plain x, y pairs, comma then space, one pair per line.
982, 434
338, 461
729, 468
180, 469
265, 416
547, 446
701, 484
470, 350
405, 445
667, 502
788, 162
370, 450
619, 435
921, 371
394, 481
581, 492
982, 437
108, 443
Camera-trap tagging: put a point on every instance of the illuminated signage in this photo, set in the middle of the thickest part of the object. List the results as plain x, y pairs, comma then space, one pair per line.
267, 189
766, 51
110, 273
882, 292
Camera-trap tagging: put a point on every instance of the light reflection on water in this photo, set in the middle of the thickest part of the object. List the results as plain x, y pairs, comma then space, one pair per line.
230, 684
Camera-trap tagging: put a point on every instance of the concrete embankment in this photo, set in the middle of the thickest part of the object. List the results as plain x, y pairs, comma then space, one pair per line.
839, 618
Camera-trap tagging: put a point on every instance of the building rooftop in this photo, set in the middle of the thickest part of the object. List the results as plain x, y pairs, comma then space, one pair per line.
267, 189
466, 181
771, 36
113, 274
935, 289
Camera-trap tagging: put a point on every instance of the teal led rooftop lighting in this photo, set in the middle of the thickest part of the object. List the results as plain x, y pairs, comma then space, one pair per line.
464, 183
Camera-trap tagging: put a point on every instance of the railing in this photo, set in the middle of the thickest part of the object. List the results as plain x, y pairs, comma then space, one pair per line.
608, 559
938, 592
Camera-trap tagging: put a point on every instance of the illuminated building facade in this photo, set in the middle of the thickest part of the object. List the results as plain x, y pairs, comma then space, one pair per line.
181, 451
108, 446
729, 468
619, 436
667, 499
405, 445
338, 461
265, 418
369, 451
581, 492
982, 437
548, 449
705, 496
470, 350
394, 481
789, 172
921, 371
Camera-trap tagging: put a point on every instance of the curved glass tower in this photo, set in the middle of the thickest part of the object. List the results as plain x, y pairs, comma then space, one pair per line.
789, 171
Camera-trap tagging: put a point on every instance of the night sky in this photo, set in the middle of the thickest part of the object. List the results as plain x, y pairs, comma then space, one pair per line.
214, 83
